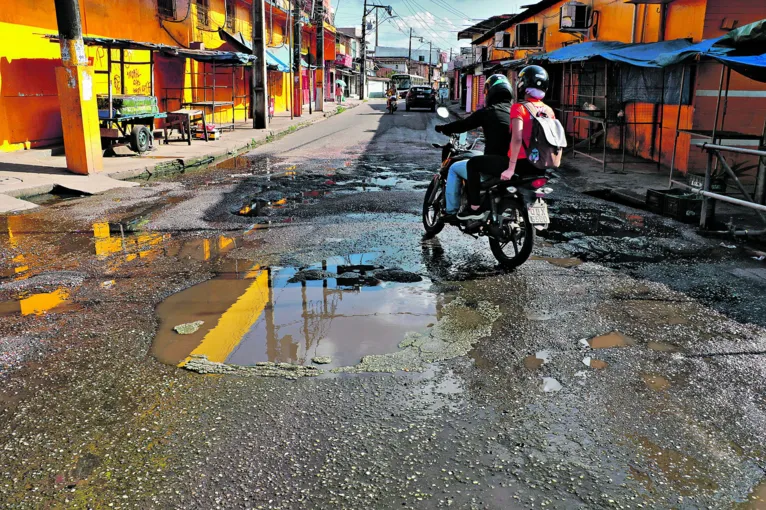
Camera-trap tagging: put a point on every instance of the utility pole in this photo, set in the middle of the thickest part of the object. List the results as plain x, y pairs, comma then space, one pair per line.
365, 12
430, 51
363, 77
297, 78
259, 92
320, 78
74, 81
377, 24
291, 37
409, 54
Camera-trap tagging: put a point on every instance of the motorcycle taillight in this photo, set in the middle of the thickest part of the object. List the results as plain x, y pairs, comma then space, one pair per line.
539, 183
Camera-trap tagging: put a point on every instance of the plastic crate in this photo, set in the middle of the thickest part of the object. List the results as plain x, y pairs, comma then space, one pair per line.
698, 181
655, 200
683, 206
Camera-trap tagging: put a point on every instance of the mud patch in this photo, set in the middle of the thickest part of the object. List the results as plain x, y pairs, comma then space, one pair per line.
655, 382
461, 326
611, 340
202, 365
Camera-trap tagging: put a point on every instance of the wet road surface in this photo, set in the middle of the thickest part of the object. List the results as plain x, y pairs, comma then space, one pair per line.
353, 364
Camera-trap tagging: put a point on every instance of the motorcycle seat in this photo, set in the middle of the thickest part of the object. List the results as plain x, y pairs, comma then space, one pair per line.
516, 180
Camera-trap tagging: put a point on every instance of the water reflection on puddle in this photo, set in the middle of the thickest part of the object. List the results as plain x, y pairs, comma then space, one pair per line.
37, 304
254, 314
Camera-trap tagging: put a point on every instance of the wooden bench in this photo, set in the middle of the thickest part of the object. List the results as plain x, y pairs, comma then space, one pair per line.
181, 120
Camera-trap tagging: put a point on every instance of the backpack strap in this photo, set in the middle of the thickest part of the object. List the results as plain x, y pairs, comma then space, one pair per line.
528, 106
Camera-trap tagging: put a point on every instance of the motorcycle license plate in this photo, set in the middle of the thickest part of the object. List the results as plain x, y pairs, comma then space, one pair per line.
538, 213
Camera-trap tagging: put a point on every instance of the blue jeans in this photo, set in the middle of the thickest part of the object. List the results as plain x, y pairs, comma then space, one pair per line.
457, 172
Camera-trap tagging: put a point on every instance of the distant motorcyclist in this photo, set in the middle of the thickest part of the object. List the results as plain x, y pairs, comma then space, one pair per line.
495, 120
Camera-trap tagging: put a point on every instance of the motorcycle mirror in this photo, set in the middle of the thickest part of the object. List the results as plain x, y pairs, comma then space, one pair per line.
463, 138
442, 112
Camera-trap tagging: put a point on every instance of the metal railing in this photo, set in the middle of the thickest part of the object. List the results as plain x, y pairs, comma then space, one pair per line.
714, 151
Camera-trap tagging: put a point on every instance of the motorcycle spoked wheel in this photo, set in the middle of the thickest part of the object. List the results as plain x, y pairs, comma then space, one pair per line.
432, 222
515, 247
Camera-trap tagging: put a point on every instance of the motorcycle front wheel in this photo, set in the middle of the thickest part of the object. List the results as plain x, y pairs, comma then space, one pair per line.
432, 221
518, 239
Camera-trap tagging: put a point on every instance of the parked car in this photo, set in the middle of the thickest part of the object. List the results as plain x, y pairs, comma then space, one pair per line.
421, 97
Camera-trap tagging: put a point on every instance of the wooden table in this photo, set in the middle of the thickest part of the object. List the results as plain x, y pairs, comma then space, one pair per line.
182, 121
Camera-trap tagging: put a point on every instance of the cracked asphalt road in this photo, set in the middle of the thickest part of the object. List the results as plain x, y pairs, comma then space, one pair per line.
667, 413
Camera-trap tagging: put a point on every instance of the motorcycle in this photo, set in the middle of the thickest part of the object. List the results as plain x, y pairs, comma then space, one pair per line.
392, 104
517, 206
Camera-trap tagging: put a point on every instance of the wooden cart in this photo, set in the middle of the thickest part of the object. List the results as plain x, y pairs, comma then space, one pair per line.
134, 131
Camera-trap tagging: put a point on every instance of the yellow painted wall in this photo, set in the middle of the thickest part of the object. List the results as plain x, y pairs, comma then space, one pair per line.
29, 106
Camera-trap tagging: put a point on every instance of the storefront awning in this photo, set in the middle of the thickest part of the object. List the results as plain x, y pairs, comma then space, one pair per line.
273, 61
279, 58
206, 56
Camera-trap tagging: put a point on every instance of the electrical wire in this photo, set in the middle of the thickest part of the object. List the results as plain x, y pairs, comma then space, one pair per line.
422, 21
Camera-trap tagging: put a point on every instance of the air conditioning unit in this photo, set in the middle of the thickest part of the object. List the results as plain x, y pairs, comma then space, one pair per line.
503, 40
575, 17
527, 35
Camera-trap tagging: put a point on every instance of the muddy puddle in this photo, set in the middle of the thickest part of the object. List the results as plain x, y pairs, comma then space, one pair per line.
340, 309
38, 304
57, 195
655, 382
611, 340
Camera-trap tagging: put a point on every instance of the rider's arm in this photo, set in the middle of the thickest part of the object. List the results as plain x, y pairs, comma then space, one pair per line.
475, 121
517, 132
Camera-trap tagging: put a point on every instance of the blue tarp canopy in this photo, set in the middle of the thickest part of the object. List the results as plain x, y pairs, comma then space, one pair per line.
577, 52
641, 55
645, 55
279, 58
275, 57
706, 47
754, 67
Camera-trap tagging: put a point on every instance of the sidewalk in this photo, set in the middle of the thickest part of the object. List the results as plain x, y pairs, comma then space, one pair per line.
34, 172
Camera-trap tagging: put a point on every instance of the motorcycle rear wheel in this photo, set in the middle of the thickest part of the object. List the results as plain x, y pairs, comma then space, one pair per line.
516, 247
432, 223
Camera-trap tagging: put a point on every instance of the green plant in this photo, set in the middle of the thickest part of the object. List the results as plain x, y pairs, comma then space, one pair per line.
340, 109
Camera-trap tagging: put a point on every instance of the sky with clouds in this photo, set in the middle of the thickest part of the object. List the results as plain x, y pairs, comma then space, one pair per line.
436, 21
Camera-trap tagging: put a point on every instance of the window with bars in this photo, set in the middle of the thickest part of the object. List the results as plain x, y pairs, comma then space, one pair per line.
231, 13
202, 12
167, 8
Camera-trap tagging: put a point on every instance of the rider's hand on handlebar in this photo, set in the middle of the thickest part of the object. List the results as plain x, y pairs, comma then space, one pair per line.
506, 176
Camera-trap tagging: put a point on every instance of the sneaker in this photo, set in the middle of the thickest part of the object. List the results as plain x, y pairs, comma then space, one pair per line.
471, 215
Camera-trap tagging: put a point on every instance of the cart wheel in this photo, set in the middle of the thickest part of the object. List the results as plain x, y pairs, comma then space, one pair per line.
140, 139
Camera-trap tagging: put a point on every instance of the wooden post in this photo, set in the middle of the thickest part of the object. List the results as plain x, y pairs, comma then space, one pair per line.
74, 82
260, 104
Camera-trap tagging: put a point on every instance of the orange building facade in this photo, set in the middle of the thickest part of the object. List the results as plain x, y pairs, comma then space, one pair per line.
642, 22
29, 104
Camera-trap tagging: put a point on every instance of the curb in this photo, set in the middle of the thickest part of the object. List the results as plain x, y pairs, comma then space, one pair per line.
180, 165
213, 157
